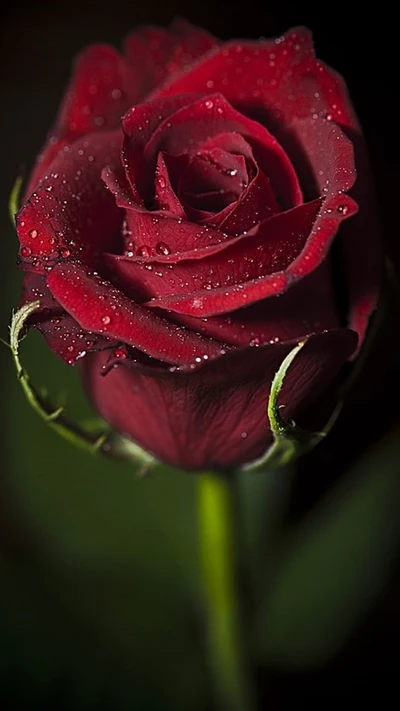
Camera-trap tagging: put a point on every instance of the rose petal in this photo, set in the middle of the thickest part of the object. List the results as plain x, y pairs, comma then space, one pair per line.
99, 307
157, 53
102, 88
194, 123
308, 307
139, 124
34, 288
268, 248
152, 229
256, 203
174, 415
223, 299
360, 247
165, 198
62, 333
213, 170
280, 74
69, 341
281, 81
72, 213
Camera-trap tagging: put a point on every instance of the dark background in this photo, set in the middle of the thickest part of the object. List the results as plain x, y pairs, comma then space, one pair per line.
97, 568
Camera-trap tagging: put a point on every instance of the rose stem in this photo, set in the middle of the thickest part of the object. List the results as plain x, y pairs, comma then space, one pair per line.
219, 567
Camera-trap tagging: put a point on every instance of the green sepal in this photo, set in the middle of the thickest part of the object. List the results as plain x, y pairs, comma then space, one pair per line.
94, 438
290, 441
13, 203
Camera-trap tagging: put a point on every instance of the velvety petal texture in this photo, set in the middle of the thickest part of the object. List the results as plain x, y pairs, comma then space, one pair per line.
199, 208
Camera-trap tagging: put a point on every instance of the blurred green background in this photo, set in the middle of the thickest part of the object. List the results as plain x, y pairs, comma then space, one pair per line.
100, 597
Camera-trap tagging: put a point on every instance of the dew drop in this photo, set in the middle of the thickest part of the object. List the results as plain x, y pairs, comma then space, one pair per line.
162, 248
143, 251
243, 435
161, 182
26, 251
65, 253
33, 233
106, 320
343, 209
120, 353
208, 104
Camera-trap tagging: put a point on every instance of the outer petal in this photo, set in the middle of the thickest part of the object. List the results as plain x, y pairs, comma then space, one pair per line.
63, 335
269, 248
102, 88
178, 417
99, 307
308, 307
157, 53
361, 248
281, 74
72, 213
280, 81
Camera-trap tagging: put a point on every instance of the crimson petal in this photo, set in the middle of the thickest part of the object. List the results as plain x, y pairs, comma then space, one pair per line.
308, 307
150, 229
102, 88
256, 203
188, 430
139, 124
282, 80
157, 53
165, 198
282, 74
223, 299
99, 307
62, 333
72, 213
194, 123
268, 248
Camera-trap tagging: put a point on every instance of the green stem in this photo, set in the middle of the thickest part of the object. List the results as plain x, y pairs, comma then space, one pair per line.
219, 570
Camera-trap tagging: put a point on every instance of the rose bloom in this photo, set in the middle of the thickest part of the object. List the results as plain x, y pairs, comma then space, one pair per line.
200, 207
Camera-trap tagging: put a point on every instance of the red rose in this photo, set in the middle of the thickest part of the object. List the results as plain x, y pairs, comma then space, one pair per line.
191, 243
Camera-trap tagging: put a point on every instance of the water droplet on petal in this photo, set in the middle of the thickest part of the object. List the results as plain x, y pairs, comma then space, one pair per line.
65, 253
143, 251
116, 94
161, 182
33, 233
162, 248
120, 353
343, 209
106, 320
26, 251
